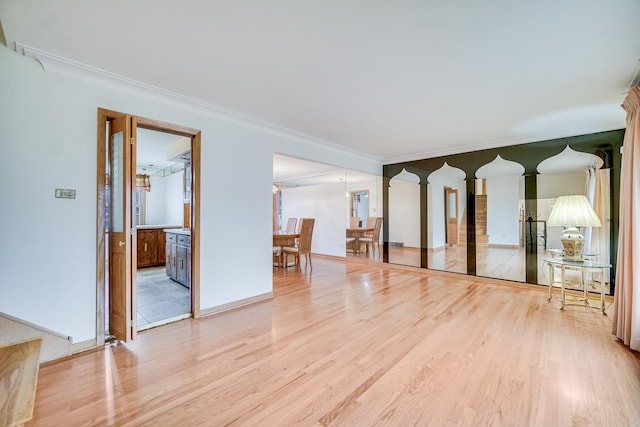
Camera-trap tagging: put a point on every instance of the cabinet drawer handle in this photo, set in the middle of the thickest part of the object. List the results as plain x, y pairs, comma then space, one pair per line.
145, 247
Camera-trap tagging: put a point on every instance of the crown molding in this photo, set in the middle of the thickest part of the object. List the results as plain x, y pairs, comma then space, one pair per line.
498, 143
77, 70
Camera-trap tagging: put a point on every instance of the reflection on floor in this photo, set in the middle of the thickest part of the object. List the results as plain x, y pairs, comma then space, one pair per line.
496, 262
158, 297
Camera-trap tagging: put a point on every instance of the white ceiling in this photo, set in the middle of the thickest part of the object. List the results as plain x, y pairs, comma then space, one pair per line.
393, 79
292, 172
152, 148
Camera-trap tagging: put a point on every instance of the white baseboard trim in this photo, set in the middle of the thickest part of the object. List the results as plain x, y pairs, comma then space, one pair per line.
497, 245
81, 346
37, 327
236, 304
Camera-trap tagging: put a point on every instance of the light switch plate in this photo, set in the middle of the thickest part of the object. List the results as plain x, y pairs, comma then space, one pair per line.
62, 193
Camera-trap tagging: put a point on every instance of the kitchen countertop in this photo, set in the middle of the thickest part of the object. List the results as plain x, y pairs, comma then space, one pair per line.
184, 231
152, 227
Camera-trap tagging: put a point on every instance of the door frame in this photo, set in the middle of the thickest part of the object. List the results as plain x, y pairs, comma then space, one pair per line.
104, 116
352, 195
449, 231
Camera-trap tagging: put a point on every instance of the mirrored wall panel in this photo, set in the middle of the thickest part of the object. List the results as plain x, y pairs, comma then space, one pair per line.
506, 231
566, 174
404, 219
447, 220
500, 249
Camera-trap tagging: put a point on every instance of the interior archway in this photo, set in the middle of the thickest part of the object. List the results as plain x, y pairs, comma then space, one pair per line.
404, 219
500, 251
447, 220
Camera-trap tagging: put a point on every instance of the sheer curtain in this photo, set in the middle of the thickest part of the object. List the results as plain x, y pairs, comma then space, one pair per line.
590, 192
626, 308
143, 182
600, 242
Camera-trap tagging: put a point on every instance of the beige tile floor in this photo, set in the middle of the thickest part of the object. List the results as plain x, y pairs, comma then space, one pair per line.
158, 297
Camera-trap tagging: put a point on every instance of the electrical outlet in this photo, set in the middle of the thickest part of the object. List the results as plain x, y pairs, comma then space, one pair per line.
62, 193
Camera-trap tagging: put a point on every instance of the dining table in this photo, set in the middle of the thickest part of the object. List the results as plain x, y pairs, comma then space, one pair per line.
283, 239
356, 233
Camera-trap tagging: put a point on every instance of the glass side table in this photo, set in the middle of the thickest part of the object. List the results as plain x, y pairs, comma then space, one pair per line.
583, 267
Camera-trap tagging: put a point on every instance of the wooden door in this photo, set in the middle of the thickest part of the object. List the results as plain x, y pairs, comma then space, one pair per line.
122, 242
451, 215
147, 242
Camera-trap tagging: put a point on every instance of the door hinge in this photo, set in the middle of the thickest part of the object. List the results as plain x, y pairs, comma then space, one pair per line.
132, 140
132, 231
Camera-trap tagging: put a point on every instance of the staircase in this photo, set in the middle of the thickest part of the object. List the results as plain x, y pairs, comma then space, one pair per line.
482, 238
54, 345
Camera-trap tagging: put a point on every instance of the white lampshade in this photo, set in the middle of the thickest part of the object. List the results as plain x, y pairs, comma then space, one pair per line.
573, 211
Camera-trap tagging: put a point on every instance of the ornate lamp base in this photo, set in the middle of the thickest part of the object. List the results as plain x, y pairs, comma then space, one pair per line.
573, 243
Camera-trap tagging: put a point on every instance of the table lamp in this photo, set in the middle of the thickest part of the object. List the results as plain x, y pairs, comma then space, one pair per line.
572, 212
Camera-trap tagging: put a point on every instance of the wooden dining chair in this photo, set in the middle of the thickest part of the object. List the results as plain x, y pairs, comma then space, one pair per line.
371, 223
276, 256
19, 363
291, 225
354, 222
373, 240
304, 243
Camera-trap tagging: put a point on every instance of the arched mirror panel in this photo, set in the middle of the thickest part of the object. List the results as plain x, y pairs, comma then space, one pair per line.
513, 191
447, 220
404, 219
500, 250
567, 174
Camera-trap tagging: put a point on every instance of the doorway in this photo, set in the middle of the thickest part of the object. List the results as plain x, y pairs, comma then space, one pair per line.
132, 253
162, 198
360, 206
451, 215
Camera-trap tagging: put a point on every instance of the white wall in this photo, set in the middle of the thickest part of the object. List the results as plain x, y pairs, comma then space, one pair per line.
374, 186
436, 222
503, 210
48, 122
404, 212
164, 203
325, 203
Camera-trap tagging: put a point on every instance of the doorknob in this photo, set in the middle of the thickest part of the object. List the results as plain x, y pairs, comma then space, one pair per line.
121, 243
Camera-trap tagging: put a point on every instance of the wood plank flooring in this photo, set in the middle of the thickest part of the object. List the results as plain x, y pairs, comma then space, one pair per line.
356, 344
506, 263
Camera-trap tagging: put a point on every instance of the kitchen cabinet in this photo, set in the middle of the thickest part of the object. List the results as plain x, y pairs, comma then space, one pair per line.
171, 249
178, 256
151, 246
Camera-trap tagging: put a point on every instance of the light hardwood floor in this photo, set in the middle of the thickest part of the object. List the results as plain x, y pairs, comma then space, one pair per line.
507, 263
353, 343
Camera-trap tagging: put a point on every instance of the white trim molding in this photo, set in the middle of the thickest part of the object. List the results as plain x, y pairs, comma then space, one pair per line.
236, 304
68, 67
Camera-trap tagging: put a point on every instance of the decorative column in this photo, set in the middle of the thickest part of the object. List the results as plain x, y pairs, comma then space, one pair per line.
471, 225
531, 228
424, 223
385, 215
